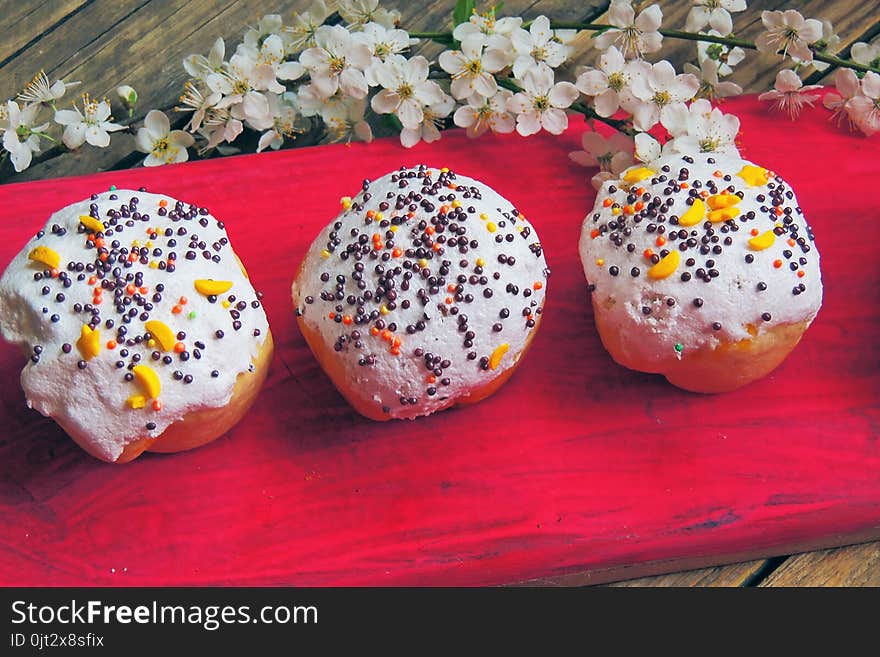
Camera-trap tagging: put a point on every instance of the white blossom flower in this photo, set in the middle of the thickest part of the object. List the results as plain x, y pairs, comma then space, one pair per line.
343, 115
428, 130
828, 41
240, 87
472, 67
656, 91
269, 25
337, 62
790, 94
537, 46
701, 129
164, 145
611, 81
488, 25
542, 104
220, 126
264, 66
848, 87
634, 35
39, 90
128, 95
866, 54
305, 25
360, 12
383, 41
648, 149
284, 115
789, 32
200, 67
20, 138
93, 124
864, 109
726, 57
406, 89
710, 86
482, 114
715, 13
194, 101
613, 154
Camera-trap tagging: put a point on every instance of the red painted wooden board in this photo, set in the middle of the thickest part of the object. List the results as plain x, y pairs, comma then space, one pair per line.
576, 465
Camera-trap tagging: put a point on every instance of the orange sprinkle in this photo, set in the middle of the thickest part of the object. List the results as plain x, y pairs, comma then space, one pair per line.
397, 252
595, 233
177, 310
90, 238
331, 315
717, 173
660, 241
538, 285
130, 288
103, 257
444, 209
627, 209
791, 242
648, 253
346, 319
450, 287
754, 231
432, 378
430, 230
777, 211
410, 215
111, 344
395, 342
374, 331
448, 301
157, 405
801, 273
683, 185
131, 257
54, 273
395, 351
100, 242
640, 191
639, 205
163, 203
387, 335
377, 237
371, 213
777, 263
179, 347
607, 202
378, 245
182, 301
437, 247
97, 291
704, 194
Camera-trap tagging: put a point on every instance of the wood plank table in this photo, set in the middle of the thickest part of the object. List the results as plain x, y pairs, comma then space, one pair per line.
140, 42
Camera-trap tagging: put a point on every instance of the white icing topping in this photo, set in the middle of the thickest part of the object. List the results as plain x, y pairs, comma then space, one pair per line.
400, 384
733, 298
92, 402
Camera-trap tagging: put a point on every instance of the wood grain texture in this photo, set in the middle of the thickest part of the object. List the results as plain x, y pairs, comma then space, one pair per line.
855, 565
576, 466
739, 574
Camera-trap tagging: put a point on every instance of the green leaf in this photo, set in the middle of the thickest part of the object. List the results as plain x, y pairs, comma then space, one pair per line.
392, 122
463, 11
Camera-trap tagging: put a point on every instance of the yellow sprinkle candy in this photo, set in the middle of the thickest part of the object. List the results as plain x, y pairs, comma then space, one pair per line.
89, 343
444, 170
379, 216
637, 174
763, 241
480, 262
148, 380
154, 264
151, 343
46, 256
148, 245
716, 216
666, 267
754, 176
719, 201
393, 229
384, 309
600, 261
210, 287
491, 227
325, 254
225, 304
497, 355
694, 214
345, 202
456, 203
615, 210
135, 242
484, 216
136, 401
94, 225
162, 333
423, 263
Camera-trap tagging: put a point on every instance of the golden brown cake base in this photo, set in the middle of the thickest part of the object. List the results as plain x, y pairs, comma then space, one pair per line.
360, 400
727, 367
